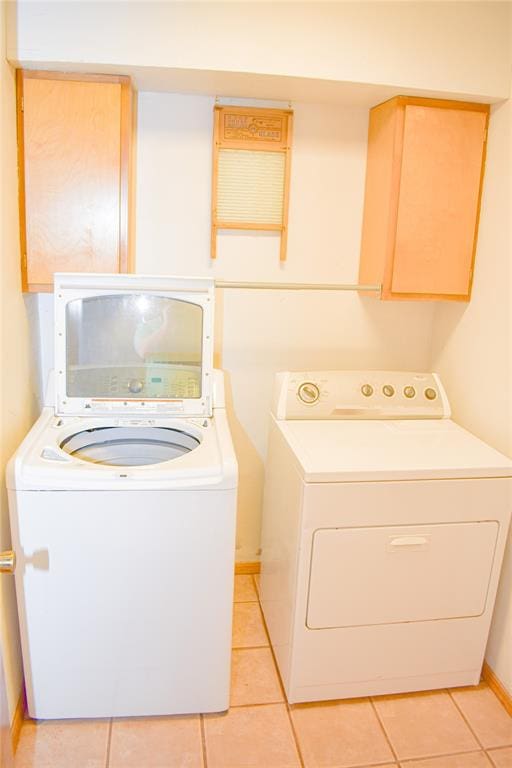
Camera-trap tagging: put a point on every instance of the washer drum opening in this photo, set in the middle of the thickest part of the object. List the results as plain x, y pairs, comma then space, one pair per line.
129, 446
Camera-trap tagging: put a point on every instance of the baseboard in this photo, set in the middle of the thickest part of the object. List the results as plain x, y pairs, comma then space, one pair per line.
247, 568
497, 686
17, 720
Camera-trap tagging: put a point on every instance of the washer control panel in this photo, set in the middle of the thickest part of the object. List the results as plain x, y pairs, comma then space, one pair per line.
359, 395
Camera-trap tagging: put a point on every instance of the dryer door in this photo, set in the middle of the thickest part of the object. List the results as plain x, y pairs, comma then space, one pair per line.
388, 575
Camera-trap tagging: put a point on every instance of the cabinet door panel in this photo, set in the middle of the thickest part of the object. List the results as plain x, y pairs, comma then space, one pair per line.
72, 147
438, 202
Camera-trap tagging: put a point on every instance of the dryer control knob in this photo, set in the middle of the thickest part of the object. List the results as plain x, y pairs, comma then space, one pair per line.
135, 386
388, 390
367, 390
308, 393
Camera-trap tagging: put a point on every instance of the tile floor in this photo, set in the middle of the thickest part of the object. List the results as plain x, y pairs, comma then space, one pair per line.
461, 728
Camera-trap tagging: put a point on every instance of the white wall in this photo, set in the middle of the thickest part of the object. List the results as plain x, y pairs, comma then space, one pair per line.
17, 402
456, 47
472, 349
258, 333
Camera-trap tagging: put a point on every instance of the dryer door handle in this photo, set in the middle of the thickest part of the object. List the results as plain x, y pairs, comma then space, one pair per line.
408, 541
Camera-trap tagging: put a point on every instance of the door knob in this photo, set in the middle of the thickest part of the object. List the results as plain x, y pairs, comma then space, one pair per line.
7, 561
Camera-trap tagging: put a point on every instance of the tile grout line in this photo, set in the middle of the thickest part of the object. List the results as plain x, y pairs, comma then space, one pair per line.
241, 647
244, 602
381, 724
109, 741
263, 704
276, 667
498, 749
407, 760
281, 685
203, 740
264, 623
248, 647
459, 710
255, 586
495, 749
295, 736
257, 598
260, 647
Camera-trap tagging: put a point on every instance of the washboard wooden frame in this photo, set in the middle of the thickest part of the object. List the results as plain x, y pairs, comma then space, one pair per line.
251, 129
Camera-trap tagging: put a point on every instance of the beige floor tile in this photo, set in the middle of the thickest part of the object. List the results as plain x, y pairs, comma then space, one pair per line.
488, 718
256, 578
63, 744
251, 737
248, 628
245, 591
424, 725
156, 742
254, 678
501, 758
339, 734
469, 760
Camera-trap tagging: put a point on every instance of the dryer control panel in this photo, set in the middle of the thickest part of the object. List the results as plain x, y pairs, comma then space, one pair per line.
359, 395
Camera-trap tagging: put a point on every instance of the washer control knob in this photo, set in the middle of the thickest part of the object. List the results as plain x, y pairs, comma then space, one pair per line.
409, 392
135, 386
430, 393
388, 390
308, 393
367, 390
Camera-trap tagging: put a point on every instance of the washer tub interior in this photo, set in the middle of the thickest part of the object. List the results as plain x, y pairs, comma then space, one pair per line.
130, 446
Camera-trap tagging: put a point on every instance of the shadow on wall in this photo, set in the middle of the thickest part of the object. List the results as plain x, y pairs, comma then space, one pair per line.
250, 464
383, 317
451, 313
36, 376
250, 477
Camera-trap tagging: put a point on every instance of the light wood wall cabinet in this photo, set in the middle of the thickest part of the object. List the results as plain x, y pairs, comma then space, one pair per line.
422, 199
74, 140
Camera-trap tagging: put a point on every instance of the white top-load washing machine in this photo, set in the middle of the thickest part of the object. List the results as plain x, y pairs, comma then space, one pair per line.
383, 536
122, 504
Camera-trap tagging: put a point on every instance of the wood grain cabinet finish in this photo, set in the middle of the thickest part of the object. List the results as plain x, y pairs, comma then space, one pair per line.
422, 198
74, 142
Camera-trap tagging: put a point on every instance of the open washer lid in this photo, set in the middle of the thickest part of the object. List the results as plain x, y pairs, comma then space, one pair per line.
133, 344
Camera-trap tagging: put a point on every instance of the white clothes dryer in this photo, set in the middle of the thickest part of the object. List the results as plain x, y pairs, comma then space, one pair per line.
384, 529
122, 505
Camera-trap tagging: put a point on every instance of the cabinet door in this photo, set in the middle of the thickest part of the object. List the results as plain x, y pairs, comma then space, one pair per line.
74, 137
438, 202
422, 198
